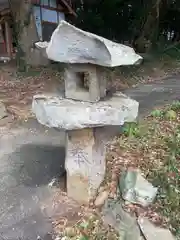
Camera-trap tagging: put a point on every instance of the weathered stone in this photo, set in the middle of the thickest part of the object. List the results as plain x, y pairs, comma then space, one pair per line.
152, 232
70, 114
3, 112
69, 44
85, 162
136, 189
85, 120
79, 75
115, 216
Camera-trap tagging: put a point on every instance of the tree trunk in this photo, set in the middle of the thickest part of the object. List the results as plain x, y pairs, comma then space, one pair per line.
26, 34
150, 29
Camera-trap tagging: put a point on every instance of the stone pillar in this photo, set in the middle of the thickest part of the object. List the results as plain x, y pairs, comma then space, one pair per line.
85, 162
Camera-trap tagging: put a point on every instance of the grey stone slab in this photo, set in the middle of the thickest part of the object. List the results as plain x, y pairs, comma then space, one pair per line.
115, 216
69, 114
152, 232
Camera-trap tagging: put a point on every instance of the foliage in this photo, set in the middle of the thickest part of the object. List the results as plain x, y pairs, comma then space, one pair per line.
131, 129
144, 24
156, 151
19, 26
90, 228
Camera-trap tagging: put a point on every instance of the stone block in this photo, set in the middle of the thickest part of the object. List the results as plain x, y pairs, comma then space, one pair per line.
85, 162
85, 82
69, 114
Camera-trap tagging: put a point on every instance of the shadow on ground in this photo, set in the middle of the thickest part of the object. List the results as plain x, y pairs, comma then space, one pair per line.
30, 158
39, 164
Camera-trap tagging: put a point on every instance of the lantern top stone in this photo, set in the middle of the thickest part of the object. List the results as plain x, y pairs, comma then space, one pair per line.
70, 44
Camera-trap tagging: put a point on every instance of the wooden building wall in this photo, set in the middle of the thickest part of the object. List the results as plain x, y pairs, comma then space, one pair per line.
47, 14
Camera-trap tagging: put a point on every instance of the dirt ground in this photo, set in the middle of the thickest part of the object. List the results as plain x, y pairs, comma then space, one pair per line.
17, 89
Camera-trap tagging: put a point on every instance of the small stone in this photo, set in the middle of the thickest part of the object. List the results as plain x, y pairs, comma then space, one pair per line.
54, 182
101, 198
3, 112
136, 189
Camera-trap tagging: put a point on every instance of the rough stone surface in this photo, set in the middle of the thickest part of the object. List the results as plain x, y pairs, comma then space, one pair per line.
3, 112
115, 216
84, 82
72, 45
136, 189
68, 114
152, 232
85, 162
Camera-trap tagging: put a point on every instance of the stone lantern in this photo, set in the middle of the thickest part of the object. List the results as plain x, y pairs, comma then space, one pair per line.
85, 113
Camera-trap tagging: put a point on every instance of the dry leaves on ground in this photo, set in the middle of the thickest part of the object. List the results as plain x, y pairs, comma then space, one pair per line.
153, 147
16, 91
